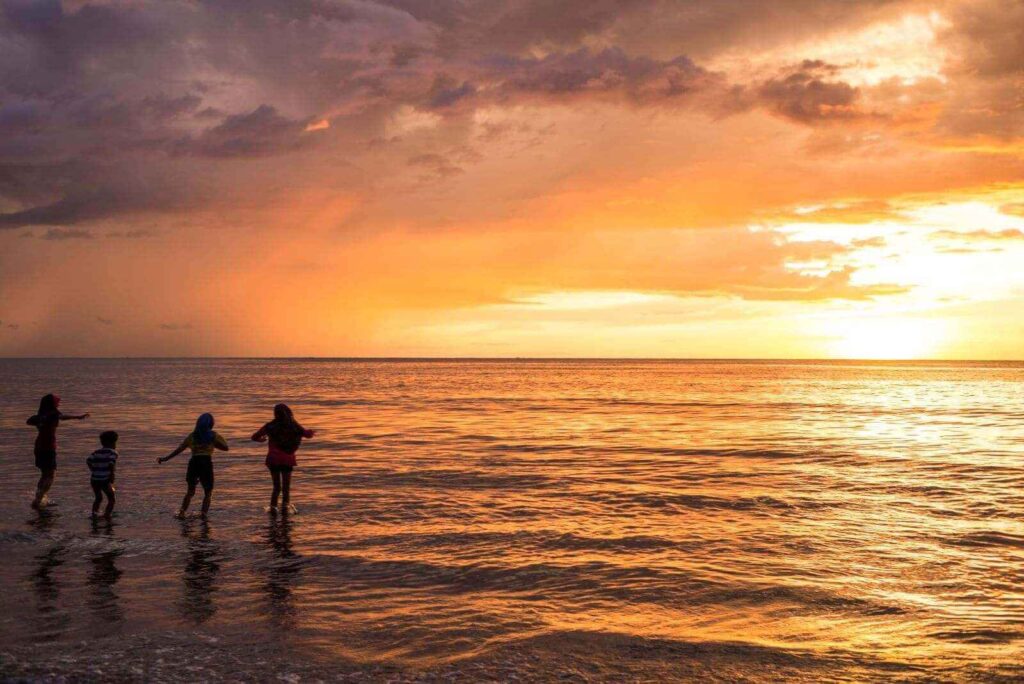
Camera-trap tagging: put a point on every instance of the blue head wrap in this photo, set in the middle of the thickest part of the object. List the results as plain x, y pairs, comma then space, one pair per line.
203, 434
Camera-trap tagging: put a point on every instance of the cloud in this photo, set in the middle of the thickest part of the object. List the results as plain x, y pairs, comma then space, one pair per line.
527, 145
104, 321
436, 164
609, 72
810, 94
978, 235
852, 212
446, 92
261, 132
66, 234
133, 234
869, 243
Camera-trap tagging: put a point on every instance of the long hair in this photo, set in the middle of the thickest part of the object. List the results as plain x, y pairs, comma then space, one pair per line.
203, 434
48, 405
283, 415
284, 431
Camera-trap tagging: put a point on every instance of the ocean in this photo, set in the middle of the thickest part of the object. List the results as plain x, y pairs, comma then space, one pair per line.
540, 520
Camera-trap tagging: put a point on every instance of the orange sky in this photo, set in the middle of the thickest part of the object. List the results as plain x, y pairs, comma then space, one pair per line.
512, 178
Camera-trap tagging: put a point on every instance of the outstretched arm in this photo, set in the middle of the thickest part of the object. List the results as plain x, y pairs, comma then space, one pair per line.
65, 416
260, 435
168, 457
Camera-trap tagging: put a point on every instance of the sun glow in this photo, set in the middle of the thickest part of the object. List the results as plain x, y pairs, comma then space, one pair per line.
887, 338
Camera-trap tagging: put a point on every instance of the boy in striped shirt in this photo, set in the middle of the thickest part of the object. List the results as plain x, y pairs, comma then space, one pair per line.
101, 463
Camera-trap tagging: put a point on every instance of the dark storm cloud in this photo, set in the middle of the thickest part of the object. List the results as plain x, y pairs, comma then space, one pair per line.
260, 132
610, 71
809, 93
446, 91
116, 108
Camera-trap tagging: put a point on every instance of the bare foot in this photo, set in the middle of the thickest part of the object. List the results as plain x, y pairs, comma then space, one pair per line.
180, 515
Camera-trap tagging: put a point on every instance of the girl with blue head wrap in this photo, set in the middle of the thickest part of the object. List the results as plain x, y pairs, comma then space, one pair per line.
202, 441
203, 434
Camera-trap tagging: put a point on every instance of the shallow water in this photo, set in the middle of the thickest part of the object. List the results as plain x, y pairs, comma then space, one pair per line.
587, 519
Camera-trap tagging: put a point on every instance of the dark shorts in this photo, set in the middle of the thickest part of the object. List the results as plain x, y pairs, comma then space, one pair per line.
46, 459
200, 470
280, 468
100, 486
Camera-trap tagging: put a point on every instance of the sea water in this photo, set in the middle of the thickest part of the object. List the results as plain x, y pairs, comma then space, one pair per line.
548, 519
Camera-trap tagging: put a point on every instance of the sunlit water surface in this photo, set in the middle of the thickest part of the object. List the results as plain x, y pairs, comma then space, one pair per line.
588, 520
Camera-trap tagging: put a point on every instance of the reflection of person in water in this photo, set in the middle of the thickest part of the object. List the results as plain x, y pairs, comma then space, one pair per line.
105, 573
201, 570
53, 620
282, 572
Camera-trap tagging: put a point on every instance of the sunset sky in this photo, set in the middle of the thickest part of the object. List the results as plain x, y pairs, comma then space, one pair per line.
803, 178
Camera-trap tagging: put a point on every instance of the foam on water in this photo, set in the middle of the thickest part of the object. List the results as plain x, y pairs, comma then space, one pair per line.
475, 520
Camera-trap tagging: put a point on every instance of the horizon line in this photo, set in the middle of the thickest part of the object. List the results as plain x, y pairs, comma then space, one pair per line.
744, 359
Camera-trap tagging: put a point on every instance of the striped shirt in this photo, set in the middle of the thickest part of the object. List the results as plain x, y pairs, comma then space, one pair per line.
101, 463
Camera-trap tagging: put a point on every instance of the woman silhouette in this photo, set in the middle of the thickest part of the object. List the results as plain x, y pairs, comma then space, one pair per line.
284, 435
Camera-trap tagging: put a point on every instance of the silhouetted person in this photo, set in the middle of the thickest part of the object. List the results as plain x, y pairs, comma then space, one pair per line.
284, 436
202, 441
46, 422
102, 465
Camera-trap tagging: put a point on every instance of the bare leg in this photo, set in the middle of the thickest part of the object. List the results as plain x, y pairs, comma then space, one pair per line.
97, 500
45, 482
187, 500
109, 489
207, 493
286, 489
276, 491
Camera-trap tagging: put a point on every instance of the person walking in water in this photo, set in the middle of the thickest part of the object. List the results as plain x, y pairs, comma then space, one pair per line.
46, 422
102, 465
202, 441
284, 435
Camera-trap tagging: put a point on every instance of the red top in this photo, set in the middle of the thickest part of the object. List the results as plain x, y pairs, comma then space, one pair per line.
46, 440
276, 456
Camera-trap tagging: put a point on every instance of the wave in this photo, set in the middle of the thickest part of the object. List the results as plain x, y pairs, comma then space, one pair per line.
571, 655
988, 538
